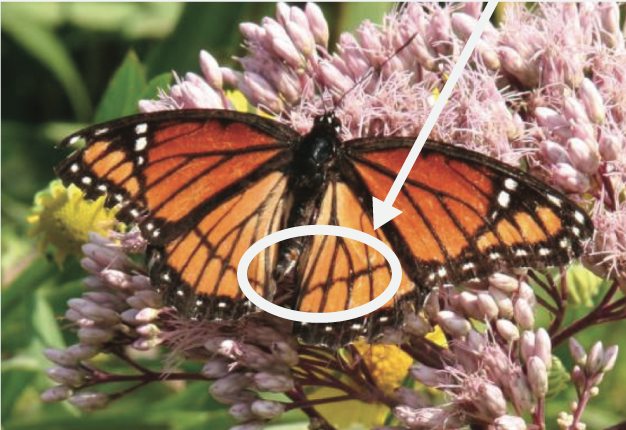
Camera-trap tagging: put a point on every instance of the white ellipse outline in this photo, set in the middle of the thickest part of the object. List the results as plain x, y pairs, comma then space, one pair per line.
319, 317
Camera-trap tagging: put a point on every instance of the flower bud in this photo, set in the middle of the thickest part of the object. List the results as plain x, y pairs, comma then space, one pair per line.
61, 357
552, 120
584, 155
275, 383
610, 357
230, 385
144, 299
241, 412
609, 18
574, 110
584, 131
517, 66
527, 293
56, 394
301, 37
503, 282
543, 347
267, 409
524, 314
592, 100
469, 303
148, 330
285, 353
488, 306
94, 336
578, 376
81, 351
578, 352
216, 368
453, 324
410, 397
507, 330
504, 302
509, 422
146, 344
334, 78
491, 401
610, 147
527, 345
569, 178
211, 70
537, 376
317, 23
595, 359
554, 152
66, 376
89, 401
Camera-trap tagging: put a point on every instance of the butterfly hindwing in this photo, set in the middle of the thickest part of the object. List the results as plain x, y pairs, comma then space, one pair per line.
337, 273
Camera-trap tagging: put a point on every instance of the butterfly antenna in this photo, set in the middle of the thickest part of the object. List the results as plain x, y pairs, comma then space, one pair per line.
378, 69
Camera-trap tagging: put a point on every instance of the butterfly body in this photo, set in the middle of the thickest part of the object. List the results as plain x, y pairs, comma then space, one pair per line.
204, 185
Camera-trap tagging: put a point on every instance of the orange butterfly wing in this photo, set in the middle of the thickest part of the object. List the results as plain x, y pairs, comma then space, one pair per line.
464, 214
338, 273
203, 186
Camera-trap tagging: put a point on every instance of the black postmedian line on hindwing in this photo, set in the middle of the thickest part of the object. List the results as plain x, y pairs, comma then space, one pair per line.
370, 274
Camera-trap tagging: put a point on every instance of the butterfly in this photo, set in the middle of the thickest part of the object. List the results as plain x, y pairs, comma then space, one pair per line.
204, 185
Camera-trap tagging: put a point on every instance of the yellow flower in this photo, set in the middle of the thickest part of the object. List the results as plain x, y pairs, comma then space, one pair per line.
239, 101
389, 367
62, 218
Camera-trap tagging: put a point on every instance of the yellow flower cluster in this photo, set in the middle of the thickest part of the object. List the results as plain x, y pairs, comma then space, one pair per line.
62, 218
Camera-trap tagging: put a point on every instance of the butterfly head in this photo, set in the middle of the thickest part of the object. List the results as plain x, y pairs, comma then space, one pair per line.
328, 123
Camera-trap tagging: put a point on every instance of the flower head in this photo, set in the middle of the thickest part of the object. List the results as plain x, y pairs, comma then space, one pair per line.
63, 218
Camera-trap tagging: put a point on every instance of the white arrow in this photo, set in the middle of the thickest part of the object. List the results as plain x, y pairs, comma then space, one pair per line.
384, 211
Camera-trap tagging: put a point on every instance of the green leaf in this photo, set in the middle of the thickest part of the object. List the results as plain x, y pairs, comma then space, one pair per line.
206, 26
31, 279
44, 45
161, 81
353, 14
124, 90
44, 323
14, 383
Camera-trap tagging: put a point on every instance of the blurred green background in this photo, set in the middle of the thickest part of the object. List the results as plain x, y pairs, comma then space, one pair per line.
58, 64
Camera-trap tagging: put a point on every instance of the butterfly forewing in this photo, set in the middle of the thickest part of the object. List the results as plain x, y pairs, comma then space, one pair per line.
464, 214
202, 185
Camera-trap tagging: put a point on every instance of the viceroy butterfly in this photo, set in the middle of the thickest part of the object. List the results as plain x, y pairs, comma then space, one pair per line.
204, 185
